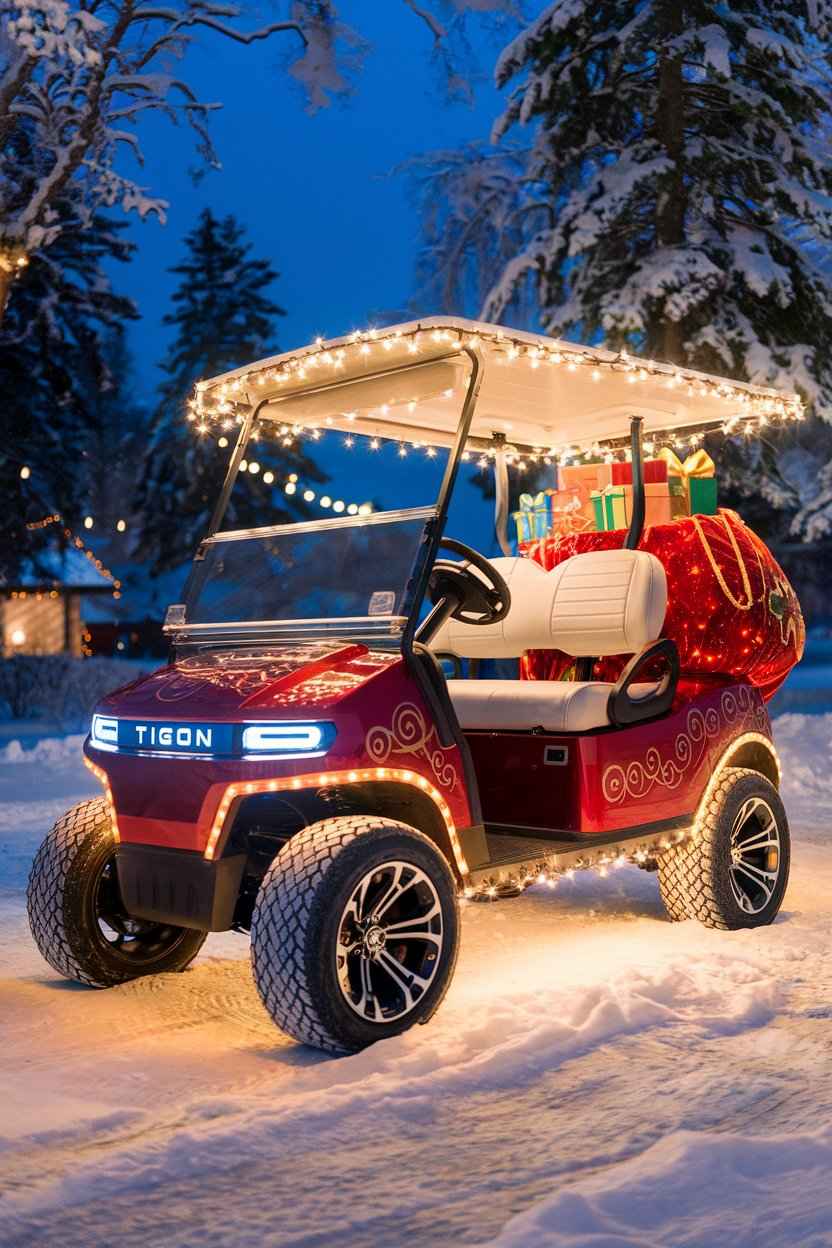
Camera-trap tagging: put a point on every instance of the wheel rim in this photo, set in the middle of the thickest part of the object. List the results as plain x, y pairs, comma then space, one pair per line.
755, 855
137, 940
390, 938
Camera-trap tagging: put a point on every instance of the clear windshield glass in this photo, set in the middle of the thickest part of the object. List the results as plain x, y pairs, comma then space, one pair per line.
350, 576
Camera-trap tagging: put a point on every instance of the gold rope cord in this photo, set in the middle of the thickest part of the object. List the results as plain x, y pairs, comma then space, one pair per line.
746, 583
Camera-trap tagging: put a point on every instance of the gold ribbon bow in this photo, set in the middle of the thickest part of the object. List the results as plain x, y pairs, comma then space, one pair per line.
698, 464
532, 502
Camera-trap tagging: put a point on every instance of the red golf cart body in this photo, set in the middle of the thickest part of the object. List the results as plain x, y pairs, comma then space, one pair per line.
198, 818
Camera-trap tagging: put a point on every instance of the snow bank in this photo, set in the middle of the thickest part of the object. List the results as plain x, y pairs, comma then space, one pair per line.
694, 1190
52, 750
805, 746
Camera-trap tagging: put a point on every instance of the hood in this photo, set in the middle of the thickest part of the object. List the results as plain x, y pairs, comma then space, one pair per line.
224, 684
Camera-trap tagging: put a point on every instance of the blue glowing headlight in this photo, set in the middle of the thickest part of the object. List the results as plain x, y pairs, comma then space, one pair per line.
104, 732
287, 738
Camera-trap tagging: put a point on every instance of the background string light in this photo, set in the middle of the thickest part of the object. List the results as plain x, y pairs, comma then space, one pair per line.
78, 543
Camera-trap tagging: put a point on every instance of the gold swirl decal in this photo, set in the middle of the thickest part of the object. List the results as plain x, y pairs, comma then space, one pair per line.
667, 771
410, 734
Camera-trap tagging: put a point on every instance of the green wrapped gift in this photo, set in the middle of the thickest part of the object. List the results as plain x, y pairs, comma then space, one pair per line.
612, 507
597, 499
615, 506
695, 479
703, 496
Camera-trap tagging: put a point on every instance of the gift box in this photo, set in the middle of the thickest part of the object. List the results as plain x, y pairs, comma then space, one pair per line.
610, 507
654, 471
679, 500
613, 506
533, 518
566, 504
584, 478
697, 478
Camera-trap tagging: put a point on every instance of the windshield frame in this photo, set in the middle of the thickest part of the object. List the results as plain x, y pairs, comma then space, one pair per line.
311, 627
435, 519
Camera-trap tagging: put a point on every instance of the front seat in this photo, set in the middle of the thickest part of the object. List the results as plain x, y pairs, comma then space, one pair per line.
608, 602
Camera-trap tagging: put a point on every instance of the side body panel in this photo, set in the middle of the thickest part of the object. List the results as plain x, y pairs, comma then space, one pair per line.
616, 778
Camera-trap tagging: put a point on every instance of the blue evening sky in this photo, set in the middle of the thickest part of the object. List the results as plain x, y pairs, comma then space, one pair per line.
318, 197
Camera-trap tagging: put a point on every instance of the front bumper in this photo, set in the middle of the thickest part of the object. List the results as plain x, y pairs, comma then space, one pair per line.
179, 886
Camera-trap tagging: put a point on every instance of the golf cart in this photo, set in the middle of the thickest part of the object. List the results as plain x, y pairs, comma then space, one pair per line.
322, 763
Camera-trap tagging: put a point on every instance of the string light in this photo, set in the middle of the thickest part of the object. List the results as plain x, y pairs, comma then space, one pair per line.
412, 779
762, 405
78, 543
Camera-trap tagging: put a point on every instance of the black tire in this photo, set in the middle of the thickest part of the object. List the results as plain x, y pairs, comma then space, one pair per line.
735, 872
75, 911
306, 949
672, 886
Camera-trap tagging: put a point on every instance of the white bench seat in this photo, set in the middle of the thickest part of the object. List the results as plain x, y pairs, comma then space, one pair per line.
523, 705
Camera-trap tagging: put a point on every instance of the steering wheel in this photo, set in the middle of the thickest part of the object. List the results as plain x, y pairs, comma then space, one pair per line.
477, 601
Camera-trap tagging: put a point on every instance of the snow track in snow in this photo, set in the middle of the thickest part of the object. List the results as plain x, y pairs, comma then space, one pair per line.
596, 1076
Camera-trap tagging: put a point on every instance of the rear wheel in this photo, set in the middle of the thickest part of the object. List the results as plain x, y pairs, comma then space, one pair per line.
77, 916
355, 932
734, 873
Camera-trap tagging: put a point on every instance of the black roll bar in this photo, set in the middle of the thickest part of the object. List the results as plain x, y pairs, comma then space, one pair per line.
637, 519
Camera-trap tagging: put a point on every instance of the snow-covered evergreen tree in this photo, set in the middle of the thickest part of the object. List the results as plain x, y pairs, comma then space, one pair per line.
474, 223
674, 197
222, 315
53, 370
678, 167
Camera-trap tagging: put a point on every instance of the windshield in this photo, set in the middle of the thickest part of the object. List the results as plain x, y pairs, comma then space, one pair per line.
349, 576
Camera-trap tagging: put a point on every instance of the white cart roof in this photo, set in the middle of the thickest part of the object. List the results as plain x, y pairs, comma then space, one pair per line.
538, 392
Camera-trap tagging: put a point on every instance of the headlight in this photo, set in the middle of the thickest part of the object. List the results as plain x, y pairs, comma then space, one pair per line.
104, 732
287, 738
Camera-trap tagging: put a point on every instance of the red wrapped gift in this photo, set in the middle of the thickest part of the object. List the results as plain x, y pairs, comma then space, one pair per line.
655, 470
731, 610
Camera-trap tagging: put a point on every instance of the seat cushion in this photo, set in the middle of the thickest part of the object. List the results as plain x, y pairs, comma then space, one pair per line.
598, 603
553, 705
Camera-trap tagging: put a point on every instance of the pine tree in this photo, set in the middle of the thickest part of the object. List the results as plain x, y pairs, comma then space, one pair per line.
677, 171
675, 198
53, 371
222, 316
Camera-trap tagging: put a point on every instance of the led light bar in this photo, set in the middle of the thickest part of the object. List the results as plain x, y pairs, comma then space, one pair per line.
285, 738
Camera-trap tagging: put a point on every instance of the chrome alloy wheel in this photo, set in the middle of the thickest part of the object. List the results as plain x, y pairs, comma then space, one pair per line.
389, 942
755, 855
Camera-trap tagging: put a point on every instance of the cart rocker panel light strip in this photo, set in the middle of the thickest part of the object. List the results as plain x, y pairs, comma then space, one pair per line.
255, 739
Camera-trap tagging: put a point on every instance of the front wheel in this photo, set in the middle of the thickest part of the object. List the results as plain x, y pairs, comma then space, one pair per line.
355, 932
735, 870
76, 913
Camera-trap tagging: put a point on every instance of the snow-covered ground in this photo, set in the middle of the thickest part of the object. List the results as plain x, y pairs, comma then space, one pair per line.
596, 1076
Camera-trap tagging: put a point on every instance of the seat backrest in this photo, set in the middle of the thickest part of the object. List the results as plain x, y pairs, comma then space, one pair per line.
604, 602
